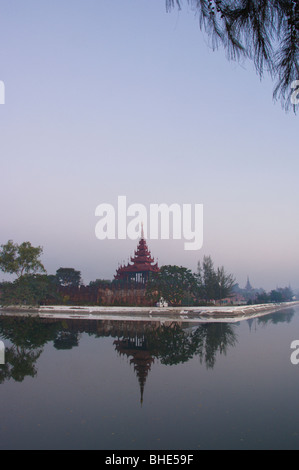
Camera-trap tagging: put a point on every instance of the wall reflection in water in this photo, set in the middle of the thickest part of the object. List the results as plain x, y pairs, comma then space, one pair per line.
142, 343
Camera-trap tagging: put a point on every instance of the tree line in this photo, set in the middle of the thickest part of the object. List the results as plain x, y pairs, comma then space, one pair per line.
32, 285
174, 283
177, 285
280, 294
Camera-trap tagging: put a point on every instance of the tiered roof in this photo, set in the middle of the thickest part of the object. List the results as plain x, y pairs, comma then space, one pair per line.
142, 262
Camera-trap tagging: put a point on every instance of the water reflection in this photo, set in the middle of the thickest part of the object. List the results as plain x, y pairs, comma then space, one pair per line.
137, 350
27, 338
173, 344
142, 342
283, 316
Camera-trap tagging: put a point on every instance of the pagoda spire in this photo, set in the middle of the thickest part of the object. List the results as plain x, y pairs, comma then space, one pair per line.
142, 232
248, 286
143, 264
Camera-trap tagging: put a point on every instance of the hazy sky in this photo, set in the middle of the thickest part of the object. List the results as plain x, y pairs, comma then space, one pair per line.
106, 98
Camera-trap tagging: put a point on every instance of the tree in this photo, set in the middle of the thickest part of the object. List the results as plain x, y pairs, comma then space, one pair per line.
275, 296
280, 294
226, 283
20, 259
209, 277
30, 289
68, 277
265, 31
214, 284
262, 298
284, 294
173, 283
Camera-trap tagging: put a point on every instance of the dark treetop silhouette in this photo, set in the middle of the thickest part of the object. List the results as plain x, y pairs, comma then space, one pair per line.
265, 31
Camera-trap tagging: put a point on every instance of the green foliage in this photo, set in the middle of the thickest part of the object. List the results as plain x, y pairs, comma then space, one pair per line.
20, 259
179, 286
68, 277
172, 283
208, 275
214, 284
276, 295
30, 289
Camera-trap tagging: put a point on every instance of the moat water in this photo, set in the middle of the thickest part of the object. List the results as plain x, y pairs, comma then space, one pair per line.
115, 385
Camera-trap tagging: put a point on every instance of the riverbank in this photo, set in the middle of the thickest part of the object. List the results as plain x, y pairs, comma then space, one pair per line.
183, 314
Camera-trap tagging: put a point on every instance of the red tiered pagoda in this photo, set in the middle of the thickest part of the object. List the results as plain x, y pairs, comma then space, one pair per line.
142, 266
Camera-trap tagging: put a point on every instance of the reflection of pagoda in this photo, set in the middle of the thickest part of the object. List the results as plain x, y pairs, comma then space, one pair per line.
142, 266
141, 358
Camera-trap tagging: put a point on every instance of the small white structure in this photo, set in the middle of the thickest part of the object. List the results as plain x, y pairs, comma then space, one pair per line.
162, 303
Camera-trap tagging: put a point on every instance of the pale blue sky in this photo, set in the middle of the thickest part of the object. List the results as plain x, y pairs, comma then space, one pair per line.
108, 98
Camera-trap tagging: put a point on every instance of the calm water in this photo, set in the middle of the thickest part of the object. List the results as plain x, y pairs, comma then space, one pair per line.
127, 385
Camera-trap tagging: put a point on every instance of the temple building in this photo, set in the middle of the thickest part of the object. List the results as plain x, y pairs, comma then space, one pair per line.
127, 289
143, 265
